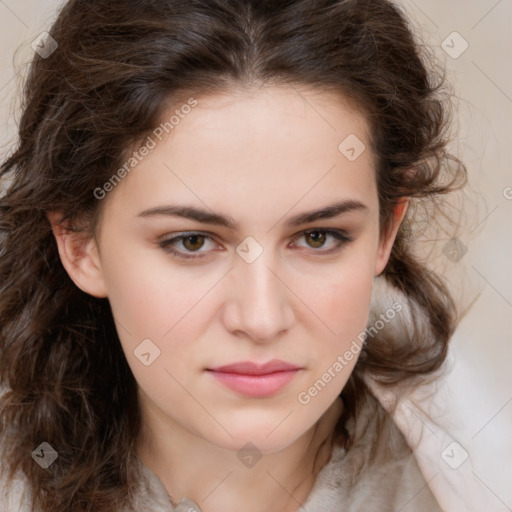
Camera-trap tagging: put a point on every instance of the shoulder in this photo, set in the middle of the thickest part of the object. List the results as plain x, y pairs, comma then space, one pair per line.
13, 494
378, 472
148, 492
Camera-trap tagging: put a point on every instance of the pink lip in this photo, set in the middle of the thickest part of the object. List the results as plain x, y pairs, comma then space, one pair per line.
255, 380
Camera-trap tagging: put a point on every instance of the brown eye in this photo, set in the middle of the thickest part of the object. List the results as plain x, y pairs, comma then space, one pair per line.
187, 245
193, 242
327, 240
317, 238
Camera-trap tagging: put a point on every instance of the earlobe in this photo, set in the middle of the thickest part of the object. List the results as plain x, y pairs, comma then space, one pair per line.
386, 243
79, 256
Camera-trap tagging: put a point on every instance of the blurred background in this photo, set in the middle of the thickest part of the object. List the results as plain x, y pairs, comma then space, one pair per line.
473, 40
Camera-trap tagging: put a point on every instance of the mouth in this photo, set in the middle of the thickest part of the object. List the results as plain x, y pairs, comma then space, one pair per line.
253, 379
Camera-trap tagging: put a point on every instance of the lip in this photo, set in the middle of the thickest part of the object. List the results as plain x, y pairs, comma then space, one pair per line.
250, 368
253, 379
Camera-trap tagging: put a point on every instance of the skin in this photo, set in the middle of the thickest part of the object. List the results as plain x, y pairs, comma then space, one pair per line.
260, 156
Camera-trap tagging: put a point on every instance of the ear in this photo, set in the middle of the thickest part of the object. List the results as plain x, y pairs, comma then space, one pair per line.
388, 238
80, 257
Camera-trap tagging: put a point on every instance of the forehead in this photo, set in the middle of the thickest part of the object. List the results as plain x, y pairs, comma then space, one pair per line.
281, 116
280, 144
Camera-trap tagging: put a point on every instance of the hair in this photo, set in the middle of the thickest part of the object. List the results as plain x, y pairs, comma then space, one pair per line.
117, 65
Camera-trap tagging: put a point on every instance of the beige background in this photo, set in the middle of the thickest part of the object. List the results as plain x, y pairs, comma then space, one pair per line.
480, 385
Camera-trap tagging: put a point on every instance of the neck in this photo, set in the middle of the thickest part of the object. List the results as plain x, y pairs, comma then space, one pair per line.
192, 467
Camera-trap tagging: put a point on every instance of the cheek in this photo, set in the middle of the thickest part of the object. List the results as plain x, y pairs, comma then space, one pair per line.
347, 315
160, 309
349, 306
151, 297
340, 297
159, 313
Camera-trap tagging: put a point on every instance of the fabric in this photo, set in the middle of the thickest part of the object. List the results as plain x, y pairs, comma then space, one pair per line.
379, 473
443, 461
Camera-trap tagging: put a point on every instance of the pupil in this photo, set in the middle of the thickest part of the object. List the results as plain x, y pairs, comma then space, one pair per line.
317, 238
194, 239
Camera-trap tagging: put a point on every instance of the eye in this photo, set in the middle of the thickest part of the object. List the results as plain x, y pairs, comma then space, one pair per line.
192, 243
316, 238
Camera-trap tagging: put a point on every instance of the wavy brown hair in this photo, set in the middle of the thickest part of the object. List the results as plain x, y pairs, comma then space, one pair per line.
118, 64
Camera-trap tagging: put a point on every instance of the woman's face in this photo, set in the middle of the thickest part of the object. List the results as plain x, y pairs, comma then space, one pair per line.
271, 271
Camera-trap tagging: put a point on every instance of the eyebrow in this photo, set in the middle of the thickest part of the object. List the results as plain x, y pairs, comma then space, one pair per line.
207, 217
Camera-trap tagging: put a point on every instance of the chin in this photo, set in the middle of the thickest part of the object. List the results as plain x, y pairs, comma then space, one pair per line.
251, 440
268, 432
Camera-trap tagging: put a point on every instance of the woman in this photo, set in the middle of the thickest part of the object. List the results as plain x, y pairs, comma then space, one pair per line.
203, 197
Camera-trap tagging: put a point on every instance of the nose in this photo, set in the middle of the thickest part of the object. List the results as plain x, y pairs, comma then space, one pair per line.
259, 305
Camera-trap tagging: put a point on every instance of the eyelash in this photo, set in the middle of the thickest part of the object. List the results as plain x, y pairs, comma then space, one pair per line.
337, 234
